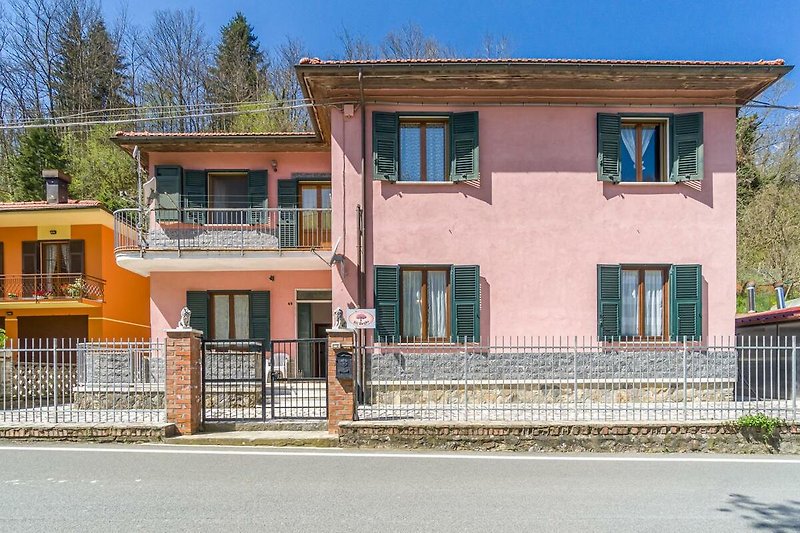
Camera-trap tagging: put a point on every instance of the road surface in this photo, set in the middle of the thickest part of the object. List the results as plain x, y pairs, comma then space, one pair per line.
50, 487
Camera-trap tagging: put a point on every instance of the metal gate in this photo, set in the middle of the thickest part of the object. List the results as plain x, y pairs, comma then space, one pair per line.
244, 381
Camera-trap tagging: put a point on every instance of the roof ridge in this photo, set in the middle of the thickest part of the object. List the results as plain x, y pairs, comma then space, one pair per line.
677, 62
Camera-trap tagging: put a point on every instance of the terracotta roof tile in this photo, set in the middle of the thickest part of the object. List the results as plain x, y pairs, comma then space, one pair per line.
35, 206
667, 62
213, 134
769, 317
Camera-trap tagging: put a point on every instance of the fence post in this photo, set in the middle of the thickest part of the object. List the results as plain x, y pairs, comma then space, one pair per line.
794, 378
685, 383
466, 381
182, 389
575, 376
55, 378
341, 392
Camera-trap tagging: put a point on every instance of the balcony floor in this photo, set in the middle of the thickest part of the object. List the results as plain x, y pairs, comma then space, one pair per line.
219, 261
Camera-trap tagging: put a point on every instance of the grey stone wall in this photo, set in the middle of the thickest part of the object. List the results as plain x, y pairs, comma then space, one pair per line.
404, 363
213, 238
108, 366
233, 364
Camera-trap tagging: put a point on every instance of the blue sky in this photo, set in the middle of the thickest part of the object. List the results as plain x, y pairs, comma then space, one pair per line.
621, 29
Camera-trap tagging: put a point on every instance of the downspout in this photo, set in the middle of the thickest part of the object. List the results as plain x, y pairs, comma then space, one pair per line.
362, 254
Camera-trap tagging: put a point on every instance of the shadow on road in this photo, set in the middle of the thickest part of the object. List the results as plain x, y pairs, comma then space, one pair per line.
783, 516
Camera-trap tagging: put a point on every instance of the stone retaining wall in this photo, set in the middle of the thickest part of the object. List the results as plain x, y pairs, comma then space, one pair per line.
88, 432
716, 437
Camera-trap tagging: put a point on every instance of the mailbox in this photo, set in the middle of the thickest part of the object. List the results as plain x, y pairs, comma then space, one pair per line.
344, 365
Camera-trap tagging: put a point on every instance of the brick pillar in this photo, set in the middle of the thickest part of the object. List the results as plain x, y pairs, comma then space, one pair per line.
183, 386
341, 397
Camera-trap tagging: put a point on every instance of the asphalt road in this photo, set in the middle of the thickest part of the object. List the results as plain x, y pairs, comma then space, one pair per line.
160, 488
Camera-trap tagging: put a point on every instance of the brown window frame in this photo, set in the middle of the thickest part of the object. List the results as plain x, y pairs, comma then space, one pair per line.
640, 295
41, 246
423, 146
424, 302
663, 126
231, 310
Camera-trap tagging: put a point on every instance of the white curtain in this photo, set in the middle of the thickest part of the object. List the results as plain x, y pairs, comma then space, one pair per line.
412, 303
437, 304
629, 321
241, 316
222, 317
654, 303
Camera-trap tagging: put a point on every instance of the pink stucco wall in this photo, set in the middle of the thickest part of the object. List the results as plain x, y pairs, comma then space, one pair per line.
540, 222
288, 163
168, 294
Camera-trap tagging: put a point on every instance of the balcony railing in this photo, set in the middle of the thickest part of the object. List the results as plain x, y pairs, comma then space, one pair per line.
71, 286
217, 229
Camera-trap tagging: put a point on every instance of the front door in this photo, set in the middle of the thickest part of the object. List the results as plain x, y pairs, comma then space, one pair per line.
315, 224
320, 350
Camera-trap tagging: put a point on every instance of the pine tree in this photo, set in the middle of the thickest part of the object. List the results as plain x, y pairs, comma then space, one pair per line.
39, 149
107, 66
239, 72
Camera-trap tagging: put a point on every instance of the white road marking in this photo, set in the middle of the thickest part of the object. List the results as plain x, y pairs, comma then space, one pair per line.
304, 452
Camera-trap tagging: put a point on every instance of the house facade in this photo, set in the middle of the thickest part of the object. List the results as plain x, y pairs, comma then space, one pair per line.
461, 199
58, 276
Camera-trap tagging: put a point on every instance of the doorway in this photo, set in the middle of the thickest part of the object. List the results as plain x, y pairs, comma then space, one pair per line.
315, 224
313, 319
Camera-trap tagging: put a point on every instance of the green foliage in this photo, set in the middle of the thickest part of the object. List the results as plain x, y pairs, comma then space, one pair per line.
261, 121
39, 149
748, 175
100, 170
3, 337
765, 299
760, 422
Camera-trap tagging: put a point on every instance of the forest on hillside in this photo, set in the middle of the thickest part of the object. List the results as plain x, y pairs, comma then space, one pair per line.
69, 79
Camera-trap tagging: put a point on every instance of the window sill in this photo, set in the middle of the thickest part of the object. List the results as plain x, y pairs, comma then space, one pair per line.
645, 184
428, 183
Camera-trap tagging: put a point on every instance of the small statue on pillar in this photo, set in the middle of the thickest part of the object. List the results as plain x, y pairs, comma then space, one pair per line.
186, 317
338, 319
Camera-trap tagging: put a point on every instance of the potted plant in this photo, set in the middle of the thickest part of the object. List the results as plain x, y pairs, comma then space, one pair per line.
12, 295
75, 289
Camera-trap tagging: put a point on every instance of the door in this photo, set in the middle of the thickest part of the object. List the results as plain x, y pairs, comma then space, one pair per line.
315, 224
320, 350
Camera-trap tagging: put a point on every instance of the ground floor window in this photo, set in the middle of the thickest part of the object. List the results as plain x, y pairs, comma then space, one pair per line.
643, 302
425, 302
230, 316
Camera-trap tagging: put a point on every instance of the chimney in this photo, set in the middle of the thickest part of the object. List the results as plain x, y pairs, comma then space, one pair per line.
56, 183
780, 295
751, 296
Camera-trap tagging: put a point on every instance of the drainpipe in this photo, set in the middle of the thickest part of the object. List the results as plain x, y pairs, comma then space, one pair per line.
780, 295
751, 296
362, 240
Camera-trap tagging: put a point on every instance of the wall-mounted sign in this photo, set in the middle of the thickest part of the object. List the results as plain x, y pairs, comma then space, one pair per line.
361, 318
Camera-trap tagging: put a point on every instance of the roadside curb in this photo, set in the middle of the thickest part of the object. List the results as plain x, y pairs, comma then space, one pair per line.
87, 432
316, 439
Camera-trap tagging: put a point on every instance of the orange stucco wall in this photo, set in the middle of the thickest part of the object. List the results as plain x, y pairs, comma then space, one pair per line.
124, 313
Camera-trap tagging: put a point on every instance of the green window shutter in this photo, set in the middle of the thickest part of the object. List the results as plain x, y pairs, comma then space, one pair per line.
687, 147
685, 301
257, 196
30, 257
195, 195
465, 281
287, 220
168, 192
77, 256
197, 302
385, 146
609, 298
259, 316
609, 167
464, 146
387, 301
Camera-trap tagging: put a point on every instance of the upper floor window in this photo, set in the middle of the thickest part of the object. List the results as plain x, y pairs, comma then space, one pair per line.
644, 156
657, 148
423, 149
428, 148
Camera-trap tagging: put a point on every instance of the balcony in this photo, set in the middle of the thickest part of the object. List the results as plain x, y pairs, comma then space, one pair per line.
197, 239
41, 288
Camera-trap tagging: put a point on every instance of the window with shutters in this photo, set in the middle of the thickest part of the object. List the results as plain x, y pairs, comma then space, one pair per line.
227, 197
425, 303
423, 149
229, 315
644, 150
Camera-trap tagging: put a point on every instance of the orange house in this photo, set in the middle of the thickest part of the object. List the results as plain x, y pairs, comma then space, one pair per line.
58, 275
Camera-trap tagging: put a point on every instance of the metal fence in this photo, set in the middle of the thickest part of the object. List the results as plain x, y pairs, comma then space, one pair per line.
569, 378
56, 286
218, 229
69, 380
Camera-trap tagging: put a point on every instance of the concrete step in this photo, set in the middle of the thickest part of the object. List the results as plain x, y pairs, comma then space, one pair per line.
316, 439
272, 425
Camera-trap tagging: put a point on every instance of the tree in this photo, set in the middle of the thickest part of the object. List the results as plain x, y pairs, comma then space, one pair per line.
39, 149
355, 47
238, 73
494, 47
748, 172
410, 42
285, 86
108, 68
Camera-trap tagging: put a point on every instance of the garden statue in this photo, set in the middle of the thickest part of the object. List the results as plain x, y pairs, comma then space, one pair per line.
186, 316
338, 319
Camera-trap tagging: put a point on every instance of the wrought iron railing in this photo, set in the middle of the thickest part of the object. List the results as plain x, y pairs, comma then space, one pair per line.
70, 286
216, 229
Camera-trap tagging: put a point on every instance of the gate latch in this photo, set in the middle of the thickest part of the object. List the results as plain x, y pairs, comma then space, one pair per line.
344, 365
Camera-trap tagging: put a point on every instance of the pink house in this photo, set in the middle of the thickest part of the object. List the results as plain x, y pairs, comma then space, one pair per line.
461, 199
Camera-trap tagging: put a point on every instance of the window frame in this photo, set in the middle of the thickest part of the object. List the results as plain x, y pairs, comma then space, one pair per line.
638, 122
424, 301
211, 174
424, 120
665, 295
231, 311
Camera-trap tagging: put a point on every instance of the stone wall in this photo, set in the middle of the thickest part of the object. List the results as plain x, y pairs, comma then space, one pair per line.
88, 432
714, 437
